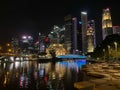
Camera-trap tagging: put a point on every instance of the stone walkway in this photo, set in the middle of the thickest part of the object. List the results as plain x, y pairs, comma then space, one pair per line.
108, 72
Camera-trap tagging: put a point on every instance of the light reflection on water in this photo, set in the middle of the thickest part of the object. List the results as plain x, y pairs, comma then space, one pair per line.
32, 75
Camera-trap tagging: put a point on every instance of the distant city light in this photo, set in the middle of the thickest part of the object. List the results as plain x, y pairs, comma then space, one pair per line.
116, 26
56, 27
107, 9
29, 37
52, 32
39, 33
80, 22
24, 37
73, 18
84, 13
46, 39
76, 50
92, 20
43, 46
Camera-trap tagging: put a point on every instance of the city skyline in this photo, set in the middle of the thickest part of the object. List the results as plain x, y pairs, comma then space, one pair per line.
23, 17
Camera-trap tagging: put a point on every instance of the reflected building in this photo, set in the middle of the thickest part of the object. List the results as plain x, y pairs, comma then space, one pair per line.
32, 75
106, 23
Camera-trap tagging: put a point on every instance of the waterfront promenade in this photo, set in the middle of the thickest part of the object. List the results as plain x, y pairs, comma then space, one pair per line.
107, 74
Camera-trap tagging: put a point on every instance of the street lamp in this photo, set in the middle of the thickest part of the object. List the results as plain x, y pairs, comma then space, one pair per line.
7, 44
108, 51
115, 43
9, 50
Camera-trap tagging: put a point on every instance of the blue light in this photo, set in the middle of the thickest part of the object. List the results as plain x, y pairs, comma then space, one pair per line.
80, 22
72, 56
75, 63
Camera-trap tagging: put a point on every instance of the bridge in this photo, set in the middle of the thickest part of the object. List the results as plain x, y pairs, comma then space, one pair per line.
72, 56
10, 57
9, 54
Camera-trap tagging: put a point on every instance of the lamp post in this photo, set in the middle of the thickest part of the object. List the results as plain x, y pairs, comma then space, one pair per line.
108, 51
115, 43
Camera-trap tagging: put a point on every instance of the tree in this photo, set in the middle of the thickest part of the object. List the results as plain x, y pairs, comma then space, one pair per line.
109, 40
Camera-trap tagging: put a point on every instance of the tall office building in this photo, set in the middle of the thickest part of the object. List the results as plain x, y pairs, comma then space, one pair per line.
84, 32
15, 45
79, 35
91, 36
90, 39
68, 34
106, 23
26, 44
41, 45
57, 35
116, 30
74, 35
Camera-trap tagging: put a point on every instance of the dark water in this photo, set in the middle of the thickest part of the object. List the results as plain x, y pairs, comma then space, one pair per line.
31, 75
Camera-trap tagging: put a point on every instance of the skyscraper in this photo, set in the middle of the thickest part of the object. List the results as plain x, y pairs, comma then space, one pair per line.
26, 44
71, 34
68, 33
106, 23
91, 36
84, 32
74, 35
15, 45
116, 30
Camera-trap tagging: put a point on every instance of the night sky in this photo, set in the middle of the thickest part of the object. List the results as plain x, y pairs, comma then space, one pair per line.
18, 17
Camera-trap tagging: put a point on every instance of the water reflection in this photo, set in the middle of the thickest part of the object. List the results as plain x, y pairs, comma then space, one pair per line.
40, 76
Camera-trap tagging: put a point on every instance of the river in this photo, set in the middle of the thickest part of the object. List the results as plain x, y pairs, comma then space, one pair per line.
33, 75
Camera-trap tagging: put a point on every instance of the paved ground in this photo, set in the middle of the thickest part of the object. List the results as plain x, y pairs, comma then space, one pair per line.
108, 74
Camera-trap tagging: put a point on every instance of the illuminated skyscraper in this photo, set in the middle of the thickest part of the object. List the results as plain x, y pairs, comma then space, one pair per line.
106, 23
84, 32
26, 44
91, 36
